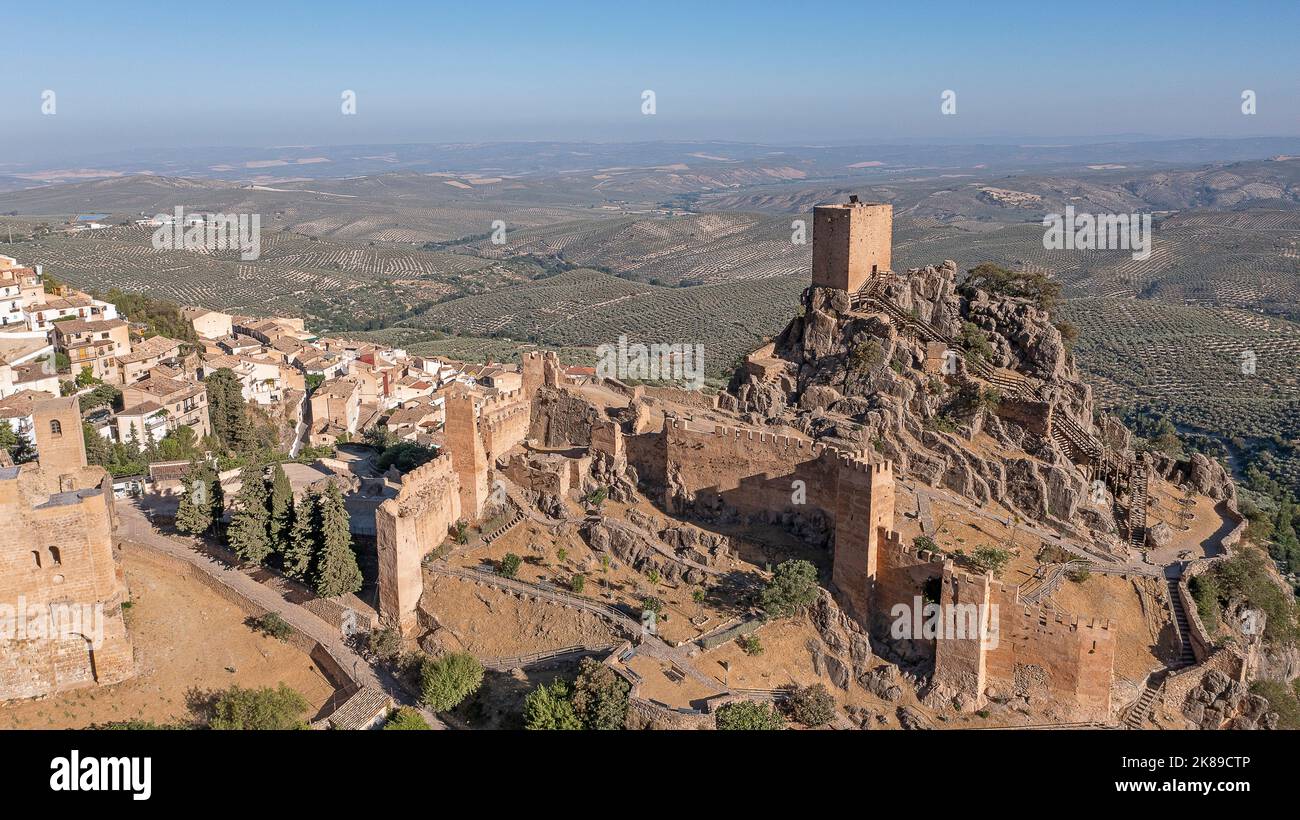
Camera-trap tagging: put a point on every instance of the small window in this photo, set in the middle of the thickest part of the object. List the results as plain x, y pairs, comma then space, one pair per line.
56, 429
56, 557
36, 556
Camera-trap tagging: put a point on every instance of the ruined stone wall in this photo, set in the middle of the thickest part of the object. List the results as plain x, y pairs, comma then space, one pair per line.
56, 548
465, 445
561, 418
1038, 653
749, 471
677, 395
409, 527
503, 423
902, 573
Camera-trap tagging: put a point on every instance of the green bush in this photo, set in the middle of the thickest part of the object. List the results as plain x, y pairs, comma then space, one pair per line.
448, 680
272, 625
793, 587
550, 707
749, 715
264, 708
508, 567
406, 719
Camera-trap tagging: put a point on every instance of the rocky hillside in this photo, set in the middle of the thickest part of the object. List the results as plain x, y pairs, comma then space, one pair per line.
951, 382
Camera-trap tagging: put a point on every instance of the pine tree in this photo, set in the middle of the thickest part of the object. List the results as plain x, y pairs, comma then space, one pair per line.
336, 572
194, 514
250, 533
22, 450
302, 539
281, 507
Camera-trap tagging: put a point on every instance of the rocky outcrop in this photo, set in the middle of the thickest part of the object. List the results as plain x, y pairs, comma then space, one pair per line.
561, 418
1222, 703
861, 377
645, 551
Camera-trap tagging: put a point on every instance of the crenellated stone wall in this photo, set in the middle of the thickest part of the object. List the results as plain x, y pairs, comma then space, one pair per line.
1022, 650
409, 527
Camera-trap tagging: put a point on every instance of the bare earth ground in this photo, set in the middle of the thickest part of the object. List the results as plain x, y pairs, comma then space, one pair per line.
185, 636
492, 623
620, 586
1139, 648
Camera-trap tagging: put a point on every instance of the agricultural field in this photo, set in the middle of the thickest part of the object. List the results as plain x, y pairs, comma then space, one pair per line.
689, 249
585, 308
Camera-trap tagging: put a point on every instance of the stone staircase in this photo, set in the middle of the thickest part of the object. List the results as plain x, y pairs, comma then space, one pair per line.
1137, 507
1186, 656
1139, 711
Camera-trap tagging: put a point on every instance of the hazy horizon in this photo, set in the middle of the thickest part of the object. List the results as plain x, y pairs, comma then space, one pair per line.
846, 74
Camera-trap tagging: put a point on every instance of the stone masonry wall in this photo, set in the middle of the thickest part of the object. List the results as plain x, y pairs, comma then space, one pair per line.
409, 527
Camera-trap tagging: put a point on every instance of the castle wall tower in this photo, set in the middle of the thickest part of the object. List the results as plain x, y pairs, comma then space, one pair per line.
60, 446
461, 432
962, 660
409, 527
864, 513
850, 242
541, 368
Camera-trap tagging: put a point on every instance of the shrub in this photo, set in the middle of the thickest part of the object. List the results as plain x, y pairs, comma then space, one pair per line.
448, 680
812, 705
748, 715
793, 587
264, 708
272, 625
751, 645
600, 696
385, 643
406, 719
550, 707
508, 567
577, 584
990, 559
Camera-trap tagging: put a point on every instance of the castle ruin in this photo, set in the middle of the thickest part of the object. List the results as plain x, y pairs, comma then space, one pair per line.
61, 586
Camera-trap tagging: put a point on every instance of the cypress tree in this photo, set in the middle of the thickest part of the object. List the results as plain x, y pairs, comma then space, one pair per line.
250, 530
194, 514
281, 507
336, 572
302, 539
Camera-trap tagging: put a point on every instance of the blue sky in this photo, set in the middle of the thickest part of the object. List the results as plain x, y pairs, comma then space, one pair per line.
271, 73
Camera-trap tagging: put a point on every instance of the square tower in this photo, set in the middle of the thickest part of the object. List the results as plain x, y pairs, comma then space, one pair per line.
60, 445
850, 242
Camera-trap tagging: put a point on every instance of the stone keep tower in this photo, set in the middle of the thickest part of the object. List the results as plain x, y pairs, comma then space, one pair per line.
60, 445
851, 242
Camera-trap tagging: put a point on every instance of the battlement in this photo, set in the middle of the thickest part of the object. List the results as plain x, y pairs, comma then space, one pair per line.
861, 465
1008, 594
900, 553
1070, 622
438, 471
492, 404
